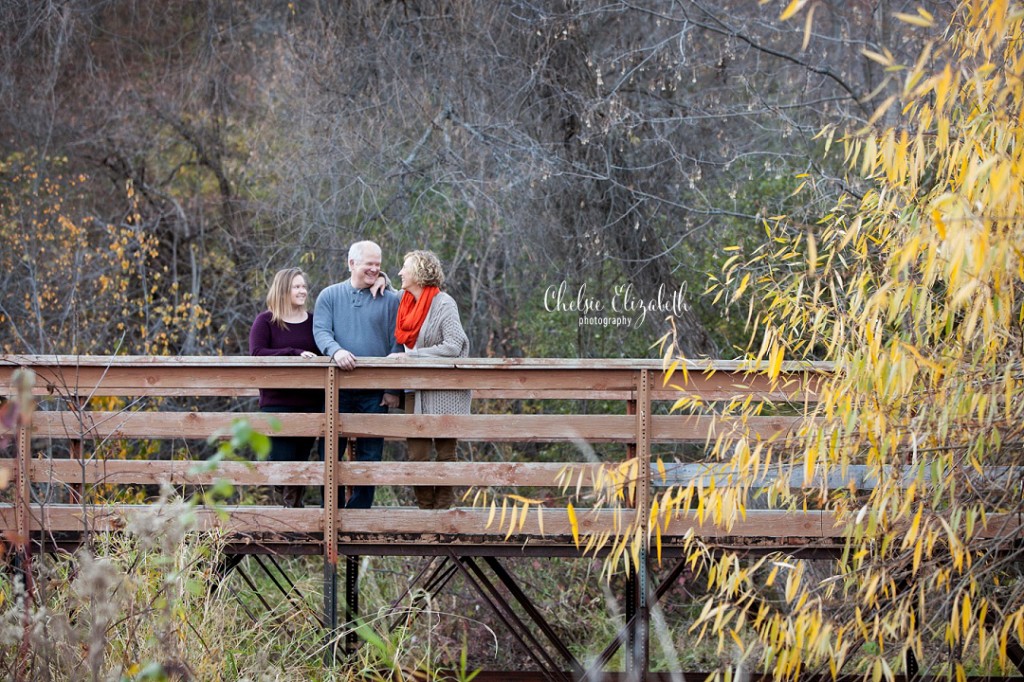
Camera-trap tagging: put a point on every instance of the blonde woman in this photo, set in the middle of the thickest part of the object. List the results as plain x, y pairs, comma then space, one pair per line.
286, 328
428, 325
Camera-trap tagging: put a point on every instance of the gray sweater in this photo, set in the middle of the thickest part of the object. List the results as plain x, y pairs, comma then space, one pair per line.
350, 318
442, 336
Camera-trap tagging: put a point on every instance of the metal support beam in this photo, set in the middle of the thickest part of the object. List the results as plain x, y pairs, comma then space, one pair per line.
910, 665
241, 602
490, 594
524, 602
351, 602
1015, 652
330, 611
437, 573
330, 512
639, 635
225, 565
252, 586
288, 591
597, 667
630, 599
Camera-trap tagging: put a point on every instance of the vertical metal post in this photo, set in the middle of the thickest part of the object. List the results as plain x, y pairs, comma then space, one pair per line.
639, 644
330, 512
630, 625
631, 447
910, 665
351, 602
631, 578
23, 493
23, 510
75, 451
351, 567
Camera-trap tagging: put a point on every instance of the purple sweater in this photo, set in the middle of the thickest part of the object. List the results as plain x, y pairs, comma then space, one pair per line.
267, 338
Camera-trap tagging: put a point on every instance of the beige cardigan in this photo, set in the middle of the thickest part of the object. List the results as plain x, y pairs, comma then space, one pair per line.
442, 336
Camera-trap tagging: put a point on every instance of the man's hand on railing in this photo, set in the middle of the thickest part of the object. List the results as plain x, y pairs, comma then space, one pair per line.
344, 359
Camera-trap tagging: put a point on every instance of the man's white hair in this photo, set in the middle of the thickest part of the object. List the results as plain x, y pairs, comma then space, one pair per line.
359, 249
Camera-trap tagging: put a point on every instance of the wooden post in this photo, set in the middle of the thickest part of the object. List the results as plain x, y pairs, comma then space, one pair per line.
330, 512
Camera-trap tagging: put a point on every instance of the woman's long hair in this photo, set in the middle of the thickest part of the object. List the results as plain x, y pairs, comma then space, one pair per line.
279, 296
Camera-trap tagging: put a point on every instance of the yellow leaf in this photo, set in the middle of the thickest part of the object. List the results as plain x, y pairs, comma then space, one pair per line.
574, 524
880, 111
876, 57
512, 520
741, 288
490, 517
777, 357
812, 254
915, 19
807, 27
793, 7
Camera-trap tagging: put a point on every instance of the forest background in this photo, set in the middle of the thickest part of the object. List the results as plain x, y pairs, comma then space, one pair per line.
159, 161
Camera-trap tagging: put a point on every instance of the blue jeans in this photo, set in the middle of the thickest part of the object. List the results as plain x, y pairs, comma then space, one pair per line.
367, 449
290, 448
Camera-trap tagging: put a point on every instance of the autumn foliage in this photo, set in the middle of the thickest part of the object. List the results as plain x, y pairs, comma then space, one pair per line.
912, 285
76, 284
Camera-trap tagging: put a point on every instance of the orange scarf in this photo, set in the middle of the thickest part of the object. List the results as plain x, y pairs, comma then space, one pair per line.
411, 314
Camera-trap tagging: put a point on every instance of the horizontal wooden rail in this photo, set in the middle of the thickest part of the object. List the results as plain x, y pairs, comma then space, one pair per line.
171, 472
404, 521
495, 428
89, 376
90, 425
531, 474
856, 476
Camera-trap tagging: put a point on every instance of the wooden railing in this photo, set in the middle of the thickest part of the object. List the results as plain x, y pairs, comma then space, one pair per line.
53, 494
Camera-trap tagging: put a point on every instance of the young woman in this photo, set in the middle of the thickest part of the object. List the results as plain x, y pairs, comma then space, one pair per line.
286, 328
428, 325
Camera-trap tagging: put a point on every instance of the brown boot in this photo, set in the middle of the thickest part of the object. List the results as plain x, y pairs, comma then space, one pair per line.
444, 497
424, 496
293, 495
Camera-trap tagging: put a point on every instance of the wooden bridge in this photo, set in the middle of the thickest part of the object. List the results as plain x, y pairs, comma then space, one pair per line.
52, 502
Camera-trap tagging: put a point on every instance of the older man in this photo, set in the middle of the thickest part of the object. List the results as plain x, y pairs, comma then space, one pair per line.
350, 322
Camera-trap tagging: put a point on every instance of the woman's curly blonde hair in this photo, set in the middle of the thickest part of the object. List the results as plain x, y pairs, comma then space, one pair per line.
426, 268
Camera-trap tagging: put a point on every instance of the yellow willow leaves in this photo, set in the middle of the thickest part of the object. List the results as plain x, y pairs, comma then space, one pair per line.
914, 290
